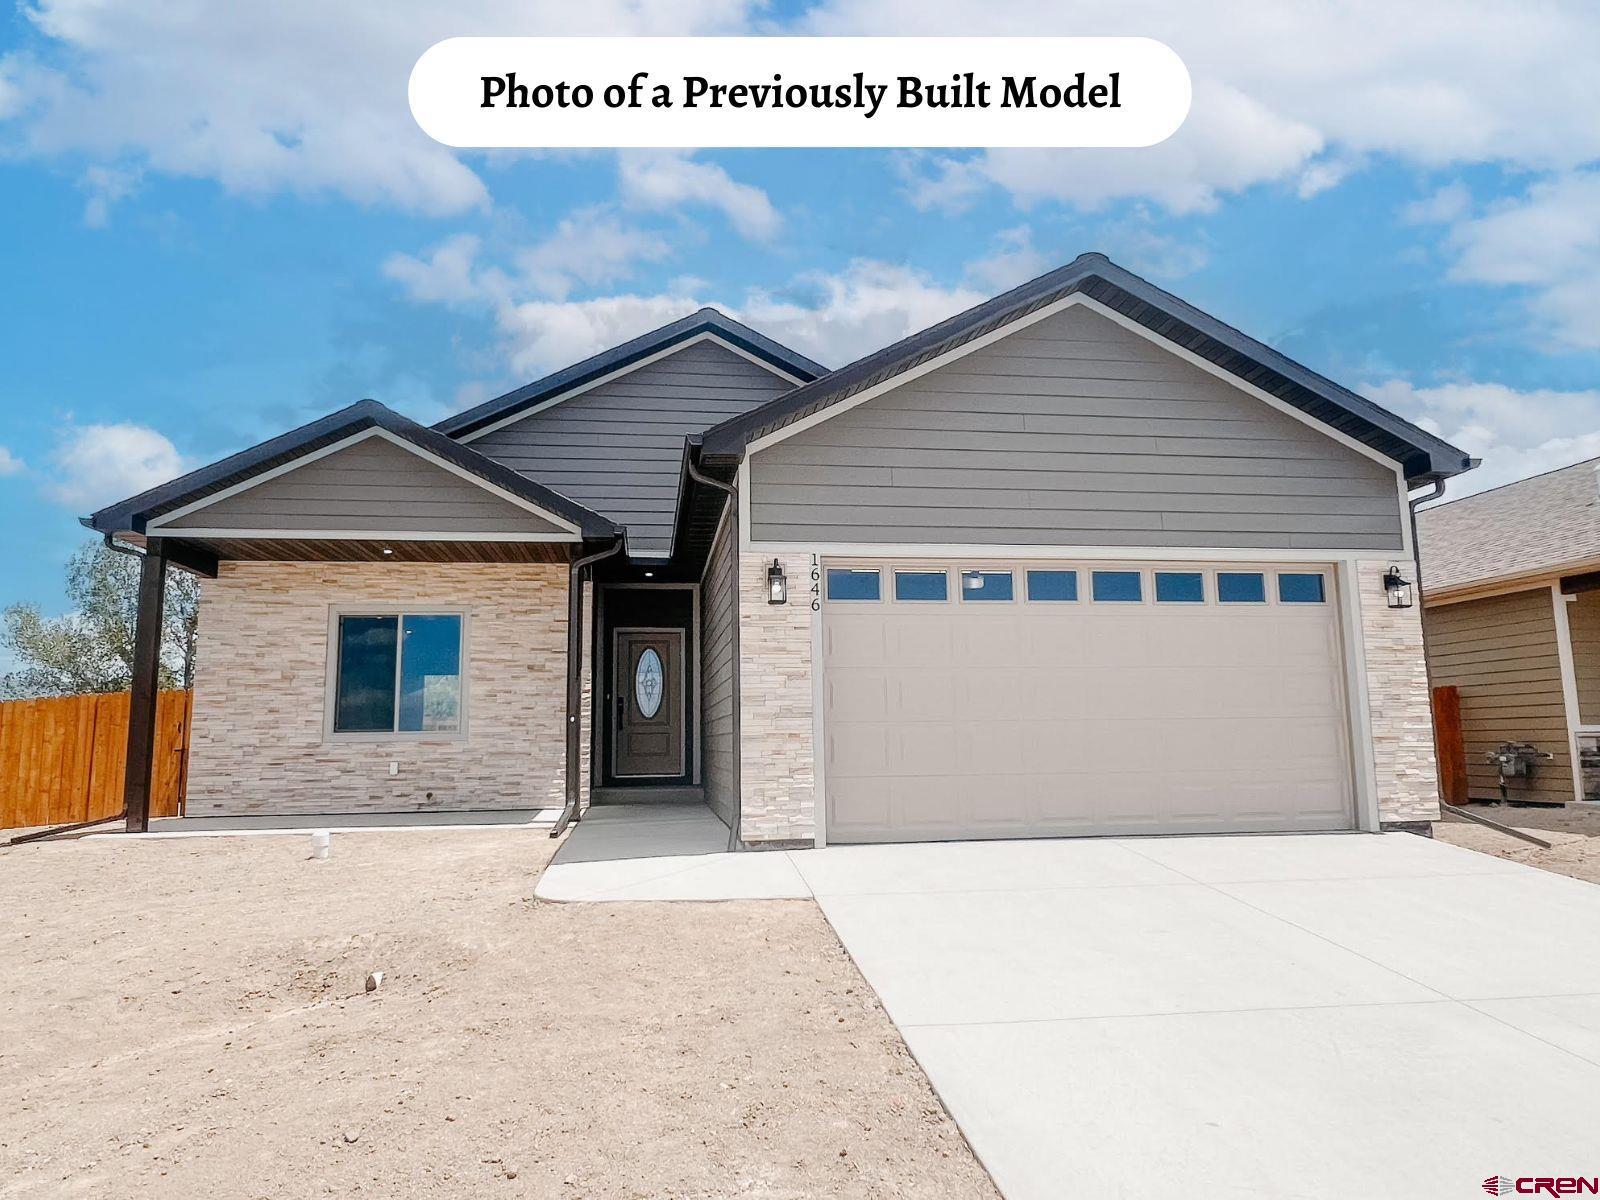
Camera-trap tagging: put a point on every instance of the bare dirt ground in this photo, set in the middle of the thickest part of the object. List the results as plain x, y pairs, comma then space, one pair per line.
187, 1018
1573, 831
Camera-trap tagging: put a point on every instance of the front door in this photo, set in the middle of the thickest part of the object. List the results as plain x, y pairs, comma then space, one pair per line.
647, 706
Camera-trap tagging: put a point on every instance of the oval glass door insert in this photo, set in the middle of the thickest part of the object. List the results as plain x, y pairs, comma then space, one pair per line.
647, 683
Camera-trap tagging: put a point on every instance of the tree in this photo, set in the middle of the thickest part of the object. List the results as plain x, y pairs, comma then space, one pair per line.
90, 649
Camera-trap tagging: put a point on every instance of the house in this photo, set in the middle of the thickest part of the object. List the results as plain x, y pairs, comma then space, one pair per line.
1512, 615
1080, 560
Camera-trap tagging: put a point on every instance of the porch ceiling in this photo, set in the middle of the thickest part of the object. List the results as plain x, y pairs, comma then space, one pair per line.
345, 550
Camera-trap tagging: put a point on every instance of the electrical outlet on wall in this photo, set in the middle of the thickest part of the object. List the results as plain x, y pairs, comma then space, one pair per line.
394, 766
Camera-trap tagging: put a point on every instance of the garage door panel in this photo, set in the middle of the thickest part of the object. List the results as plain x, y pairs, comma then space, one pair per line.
1004, 719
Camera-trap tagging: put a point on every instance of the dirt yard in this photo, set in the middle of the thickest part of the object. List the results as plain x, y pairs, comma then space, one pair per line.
187, 1018
1574, 833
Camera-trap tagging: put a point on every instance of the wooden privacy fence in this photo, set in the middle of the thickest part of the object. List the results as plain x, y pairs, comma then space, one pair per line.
1449, 745
62, 758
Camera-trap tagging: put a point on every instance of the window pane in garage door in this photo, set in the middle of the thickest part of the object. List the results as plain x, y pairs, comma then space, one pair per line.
961, 720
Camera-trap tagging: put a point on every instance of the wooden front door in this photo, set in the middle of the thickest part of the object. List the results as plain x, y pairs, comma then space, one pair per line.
647, 703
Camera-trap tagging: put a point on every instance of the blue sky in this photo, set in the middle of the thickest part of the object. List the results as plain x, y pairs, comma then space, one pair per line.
218, 226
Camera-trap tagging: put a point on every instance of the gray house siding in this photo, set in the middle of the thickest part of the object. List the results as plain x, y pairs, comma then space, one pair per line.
718, 616
1501, 653
618, 448
370, 485
1072, 431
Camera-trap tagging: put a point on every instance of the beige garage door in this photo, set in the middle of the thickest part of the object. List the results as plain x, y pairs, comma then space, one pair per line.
979, 699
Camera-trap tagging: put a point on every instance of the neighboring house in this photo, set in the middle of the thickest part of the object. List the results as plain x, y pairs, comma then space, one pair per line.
1081, 560
1511, 581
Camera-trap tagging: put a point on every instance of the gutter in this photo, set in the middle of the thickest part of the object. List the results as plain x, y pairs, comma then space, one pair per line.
735, 842
569, 810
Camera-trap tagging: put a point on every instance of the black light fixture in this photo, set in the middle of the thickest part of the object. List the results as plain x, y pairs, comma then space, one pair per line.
1396, 588
777, 585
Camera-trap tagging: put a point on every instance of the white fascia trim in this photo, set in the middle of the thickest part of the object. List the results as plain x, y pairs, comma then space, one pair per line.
561, 397
1103, 553
366, 535
245, 485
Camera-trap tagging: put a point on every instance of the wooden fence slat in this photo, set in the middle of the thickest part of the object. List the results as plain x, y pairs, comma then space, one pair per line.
61, 758
1449, 745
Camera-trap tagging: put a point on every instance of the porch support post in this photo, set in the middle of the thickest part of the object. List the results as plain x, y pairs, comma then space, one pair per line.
146, 684
575, 578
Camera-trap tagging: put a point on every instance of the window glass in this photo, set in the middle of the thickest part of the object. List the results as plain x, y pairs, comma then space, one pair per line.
1241, 587
365, 690
1117, 586
921, 585
1301, 588
986, 585
430, 673
1052, 585
1180, 587
850, 583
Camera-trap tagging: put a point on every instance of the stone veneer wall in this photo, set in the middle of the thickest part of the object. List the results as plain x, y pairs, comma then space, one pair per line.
1398, 701
261, 691
779, 776
777, 760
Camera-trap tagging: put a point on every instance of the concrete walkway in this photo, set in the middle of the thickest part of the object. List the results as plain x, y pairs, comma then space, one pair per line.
1278, 1016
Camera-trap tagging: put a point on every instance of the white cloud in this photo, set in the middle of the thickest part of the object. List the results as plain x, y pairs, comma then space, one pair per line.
1014, 260
300, 96
10, 464
1549, 241
106, 186
447, 275
670, 179
1515, 433
588, 248
97, 465
1296, 94
1450, 203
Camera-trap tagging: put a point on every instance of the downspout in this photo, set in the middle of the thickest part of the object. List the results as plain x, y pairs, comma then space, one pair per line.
734, 825
569, 810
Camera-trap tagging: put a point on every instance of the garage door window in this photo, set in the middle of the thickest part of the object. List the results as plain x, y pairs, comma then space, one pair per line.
1117, 587
921, 585
848, 583
1241, 587
986, 585
1052, 585
1301, 588
1180, 587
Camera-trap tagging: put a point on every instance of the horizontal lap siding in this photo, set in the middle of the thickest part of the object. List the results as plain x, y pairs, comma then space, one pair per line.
718, 615
1583, 619
371, 485
1501, 653
618, 448
1073, 431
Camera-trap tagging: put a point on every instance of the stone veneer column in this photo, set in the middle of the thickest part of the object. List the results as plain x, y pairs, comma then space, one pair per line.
777, 758
1398, 701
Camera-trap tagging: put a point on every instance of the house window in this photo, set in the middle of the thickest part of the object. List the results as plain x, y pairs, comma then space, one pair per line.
851, 583
1241, 587
1295, 587
1052, 585
1117, 587
986, 585
921, 585
1180, 587
398, 673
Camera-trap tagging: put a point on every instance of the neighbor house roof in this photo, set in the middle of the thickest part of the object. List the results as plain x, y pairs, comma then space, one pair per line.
131, 515
1529, 528
619, 358
1422, 455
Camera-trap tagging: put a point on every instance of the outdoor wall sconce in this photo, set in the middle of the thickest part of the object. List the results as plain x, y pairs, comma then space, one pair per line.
1396, 588
777, 585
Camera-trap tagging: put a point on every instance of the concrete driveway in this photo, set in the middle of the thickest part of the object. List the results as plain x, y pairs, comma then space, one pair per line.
1273, 1016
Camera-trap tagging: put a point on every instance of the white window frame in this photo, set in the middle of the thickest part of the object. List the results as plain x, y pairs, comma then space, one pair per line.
1269, 591
964, 569
899, 569
1276, 593
331, 684
882, 597
1147, 591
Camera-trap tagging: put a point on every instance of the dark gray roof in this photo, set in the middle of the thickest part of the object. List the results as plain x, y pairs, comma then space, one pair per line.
130, 516
706, 320
1421, 454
